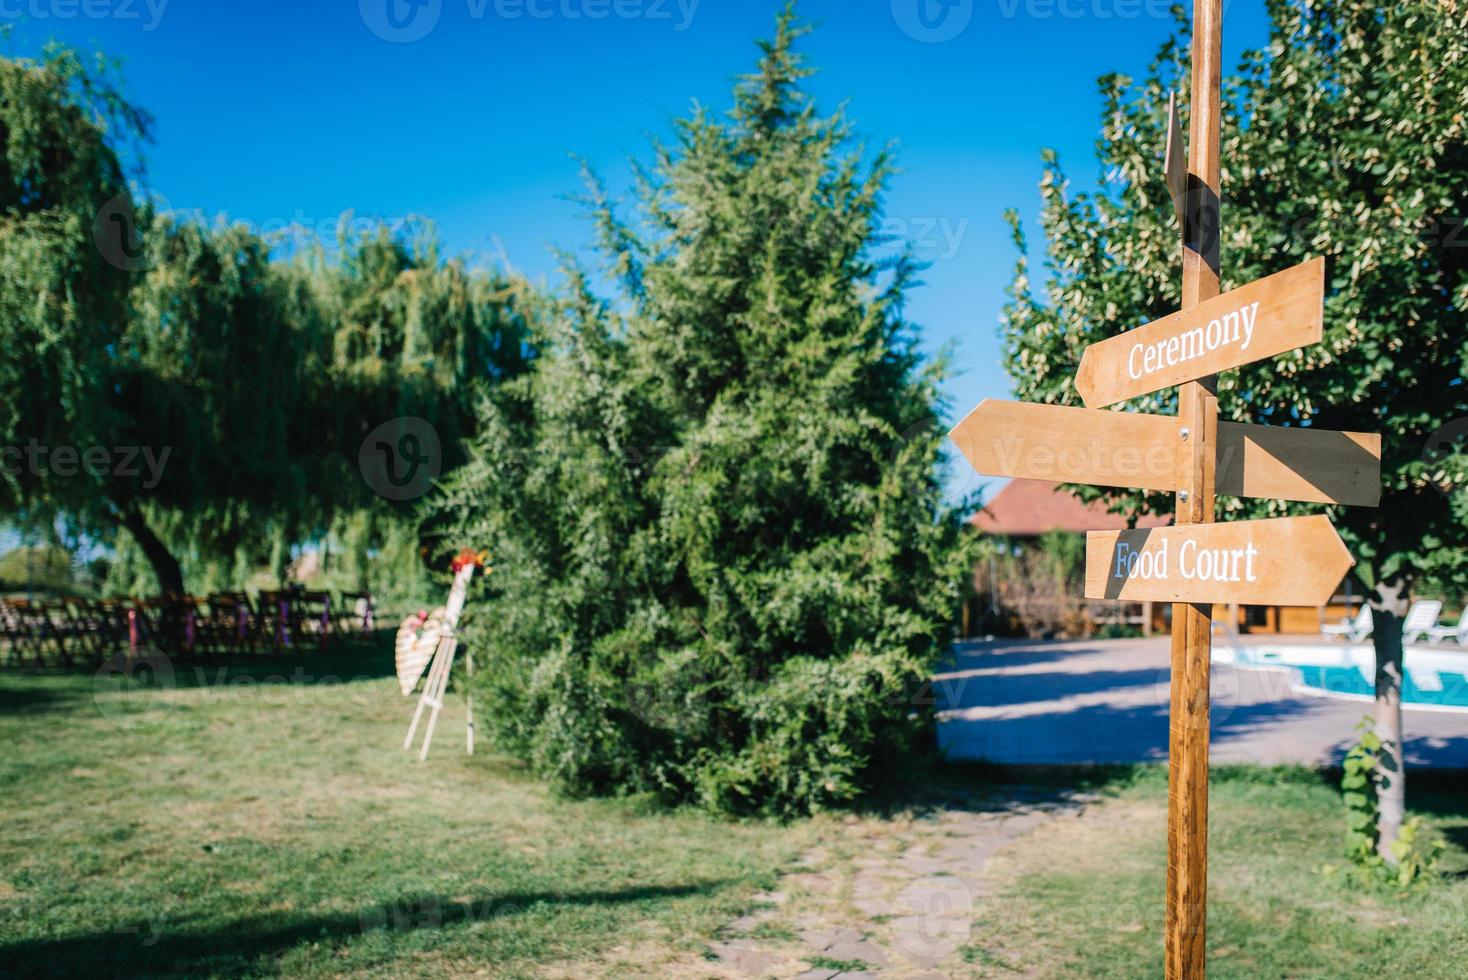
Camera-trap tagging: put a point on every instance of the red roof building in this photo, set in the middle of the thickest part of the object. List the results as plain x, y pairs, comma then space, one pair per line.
1029, 508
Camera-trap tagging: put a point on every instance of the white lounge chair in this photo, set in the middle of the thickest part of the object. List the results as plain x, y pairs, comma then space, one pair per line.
1355, 630
1421, 620
1439, 634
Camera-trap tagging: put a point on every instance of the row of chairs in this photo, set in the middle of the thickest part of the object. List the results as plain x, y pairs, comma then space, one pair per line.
71, 630
1420, 625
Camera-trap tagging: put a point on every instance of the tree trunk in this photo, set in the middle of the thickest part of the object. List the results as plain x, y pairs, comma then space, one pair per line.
165, 567
1388, 607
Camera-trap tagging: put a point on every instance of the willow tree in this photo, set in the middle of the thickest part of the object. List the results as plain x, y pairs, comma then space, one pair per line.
261, 376
1346, 138
723, 562
410, 335
62, 300
213, 368
226, 390
106, 315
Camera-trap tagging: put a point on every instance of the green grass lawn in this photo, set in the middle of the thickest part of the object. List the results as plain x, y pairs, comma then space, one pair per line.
235, 827
1083, 898
222, 824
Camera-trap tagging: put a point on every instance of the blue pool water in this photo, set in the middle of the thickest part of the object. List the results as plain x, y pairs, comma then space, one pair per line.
1435, 678
1452, 689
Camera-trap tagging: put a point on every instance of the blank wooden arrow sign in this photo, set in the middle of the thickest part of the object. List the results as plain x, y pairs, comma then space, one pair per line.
1291, 561
1309, 465
1070, 445
1137, 451
1263, 319
1175, 162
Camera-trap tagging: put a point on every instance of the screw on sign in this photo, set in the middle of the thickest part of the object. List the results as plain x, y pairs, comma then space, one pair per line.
1196, 563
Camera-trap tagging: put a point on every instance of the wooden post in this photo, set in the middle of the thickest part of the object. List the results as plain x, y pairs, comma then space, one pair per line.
1299, 559
469, 701
1187, 807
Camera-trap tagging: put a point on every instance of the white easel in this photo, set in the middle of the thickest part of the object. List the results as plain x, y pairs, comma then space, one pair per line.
437, 684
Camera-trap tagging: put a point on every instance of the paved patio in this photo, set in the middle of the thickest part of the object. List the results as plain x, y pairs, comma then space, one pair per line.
1107, 701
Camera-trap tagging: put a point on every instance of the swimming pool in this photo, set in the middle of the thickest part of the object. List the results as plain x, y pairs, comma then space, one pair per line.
1436, 678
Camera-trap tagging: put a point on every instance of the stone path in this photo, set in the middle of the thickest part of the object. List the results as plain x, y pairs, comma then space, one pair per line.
884, 897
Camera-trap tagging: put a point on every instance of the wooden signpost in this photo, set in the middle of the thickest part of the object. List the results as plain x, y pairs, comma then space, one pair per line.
1313, 466
1270, 316
1175, 161
1143, 452
1070, 445
1195, 563
1291, 561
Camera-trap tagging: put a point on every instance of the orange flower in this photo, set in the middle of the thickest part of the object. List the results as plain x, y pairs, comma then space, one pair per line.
468, 556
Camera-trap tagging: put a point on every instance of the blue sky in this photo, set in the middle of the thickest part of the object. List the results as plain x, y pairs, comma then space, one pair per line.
469, 111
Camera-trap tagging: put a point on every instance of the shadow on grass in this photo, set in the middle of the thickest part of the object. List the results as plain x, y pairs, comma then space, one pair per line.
368, 658
357, 657
246, 945
32, 700
933, 784
1439, 794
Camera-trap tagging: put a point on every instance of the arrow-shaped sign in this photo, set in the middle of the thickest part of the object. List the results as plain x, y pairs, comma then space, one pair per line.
1070, 445
1263, 319
1175, 163
1309, 465
1291, 561
1138, 451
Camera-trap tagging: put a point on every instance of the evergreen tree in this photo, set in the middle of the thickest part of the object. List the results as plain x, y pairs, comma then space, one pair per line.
723, 564
1346, 138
